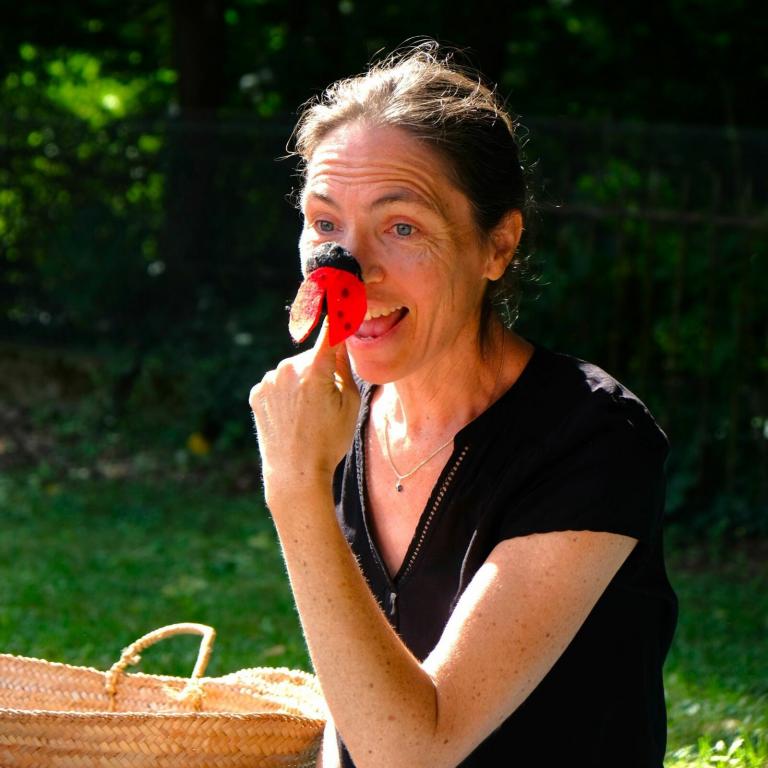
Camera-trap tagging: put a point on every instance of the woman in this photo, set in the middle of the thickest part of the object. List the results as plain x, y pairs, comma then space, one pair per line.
472, 535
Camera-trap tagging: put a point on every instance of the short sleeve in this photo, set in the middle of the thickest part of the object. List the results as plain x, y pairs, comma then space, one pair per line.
601, 471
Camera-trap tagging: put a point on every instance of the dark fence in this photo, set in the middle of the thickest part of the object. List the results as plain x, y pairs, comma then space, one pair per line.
175, 243
653, 250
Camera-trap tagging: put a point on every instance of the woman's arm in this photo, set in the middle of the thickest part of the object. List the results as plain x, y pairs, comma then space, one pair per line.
516, 617
513, 621
382, 701
518, 614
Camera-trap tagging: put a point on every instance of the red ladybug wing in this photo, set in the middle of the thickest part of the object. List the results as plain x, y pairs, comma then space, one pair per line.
347, 305
307, 308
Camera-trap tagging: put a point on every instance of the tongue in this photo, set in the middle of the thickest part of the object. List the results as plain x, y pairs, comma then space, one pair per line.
378, 326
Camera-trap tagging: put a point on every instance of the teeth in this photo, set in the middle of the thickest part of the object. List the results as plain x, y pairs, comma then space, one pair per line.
374, 313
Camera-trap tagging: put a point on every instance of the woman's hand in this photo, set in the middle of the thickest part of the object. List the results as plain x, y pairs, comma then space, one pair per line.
305, 413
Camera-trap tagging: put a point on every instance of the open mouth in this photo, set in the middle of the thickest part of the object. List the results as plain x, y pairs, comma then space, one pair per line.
379, 322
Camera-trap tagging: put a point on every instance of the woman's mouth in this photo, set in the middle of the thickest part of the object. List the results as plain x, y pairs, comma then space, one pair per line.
378, 322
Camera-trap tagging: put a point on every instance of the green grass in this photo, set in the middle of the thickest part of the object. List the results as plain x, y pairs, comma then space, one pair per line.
717, 670
88, 566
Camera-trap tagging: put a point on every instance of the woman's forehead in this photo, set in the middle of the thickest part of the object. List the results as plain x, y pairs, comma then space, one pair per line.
386, 164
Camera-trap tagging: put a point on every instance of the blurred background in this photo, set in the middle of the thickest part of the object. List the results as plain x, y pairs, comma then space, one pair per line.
148, 252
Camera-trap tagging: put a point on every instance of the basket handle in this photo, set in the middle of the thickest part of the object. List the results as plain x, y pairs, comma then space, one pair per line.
131, 655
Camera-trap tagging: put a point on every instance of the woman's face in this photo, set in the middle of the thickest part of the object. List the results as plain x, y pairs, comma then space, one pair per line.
387, 198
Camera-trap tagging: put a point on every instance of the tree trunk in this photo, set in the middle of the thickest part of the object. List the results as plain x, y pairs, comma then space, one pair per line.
189, 239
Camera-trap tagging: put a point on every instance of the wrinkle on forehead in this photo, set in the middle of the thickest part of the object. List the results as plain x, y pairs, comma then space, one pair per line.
354, 157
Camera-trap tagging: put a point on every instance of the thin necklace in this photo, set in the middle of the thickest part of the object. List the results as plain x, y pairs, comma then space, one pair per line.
401, 477
404, 476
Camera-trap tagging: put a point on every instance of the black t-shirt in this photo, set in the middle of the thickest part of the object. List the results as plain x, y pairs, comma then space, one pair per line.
565, 448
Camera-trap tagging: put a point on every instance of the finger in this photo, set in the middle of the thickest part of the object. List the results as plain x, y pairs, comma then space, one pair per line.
344, 366
323, 338
323, 354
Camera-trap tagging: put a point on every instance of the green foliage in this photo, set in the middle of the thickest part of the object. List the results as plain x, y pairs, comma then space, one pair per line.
741, 753
202, 382
75, 85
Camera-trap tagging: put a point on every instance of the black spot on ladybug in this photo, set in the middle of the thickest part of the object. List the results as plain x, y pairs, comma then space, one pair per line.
340, 313
347, 326
344, 293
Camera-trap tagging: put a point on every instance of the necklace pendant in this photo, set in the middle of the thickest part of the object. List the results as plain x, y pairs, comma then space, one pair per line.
399, 487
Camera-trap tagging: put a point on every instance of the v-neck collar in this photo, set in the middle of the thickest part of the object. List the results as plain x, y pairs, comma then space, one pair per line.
461, 447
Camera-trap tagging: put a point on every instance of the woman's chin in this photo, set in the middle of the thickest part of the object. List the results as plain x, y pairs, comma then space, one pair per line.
377, 369
371, 372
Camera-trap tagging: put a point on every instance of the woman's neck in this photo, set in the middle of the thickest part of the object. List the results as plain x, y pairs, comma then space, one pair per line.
442, 398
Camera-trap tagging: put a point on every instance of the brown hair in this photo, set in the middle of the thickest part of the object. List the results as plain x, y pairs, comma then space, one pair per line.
425, 92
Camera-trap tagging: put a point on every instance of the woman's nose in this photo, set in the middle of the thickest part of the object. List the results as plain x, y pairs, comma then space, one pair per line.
360, 243
372, 273
364, 251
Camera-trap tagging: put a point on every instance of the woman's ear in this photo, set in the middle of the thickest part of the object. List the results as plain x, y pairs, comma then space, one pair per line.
504, 241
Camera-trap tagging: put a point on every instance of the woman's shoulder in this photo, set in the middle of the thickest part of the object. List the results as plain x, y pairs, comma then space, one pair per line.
566, 399
575, 449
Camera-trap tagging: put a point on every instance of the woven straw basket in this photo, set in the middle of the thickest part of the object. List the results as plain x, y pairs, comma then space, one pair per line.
76, 717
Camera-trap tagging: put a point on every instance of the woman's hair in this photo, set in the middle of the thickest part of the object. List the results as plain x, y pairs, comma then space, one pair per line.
448, 106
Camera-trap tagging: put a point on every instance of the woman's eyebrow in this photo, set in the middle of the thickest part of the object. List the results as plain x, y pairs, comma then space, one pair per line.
395, 196
407, 196
318, 196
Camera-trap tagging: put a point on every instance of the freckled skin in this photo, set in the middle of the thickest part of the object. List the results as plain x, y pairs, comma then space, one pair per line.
362, 186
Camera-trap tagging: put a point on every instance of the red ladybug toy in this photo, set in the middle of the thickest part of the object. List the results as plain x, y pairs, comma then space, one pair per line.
334, 282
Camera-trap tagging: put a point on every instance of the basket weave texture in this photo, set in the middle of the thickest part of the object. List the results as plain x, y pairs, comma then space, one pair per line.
64, 716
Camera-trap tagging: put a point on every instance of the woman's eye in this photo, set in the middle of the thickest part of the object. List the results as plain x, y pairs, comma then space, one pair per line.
404, 229
323, 225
